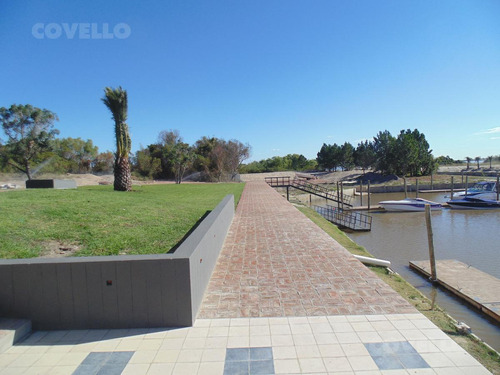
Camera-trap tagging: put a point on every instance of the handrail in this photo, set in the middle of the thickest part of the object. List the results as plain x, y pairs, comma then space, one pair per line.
352, 220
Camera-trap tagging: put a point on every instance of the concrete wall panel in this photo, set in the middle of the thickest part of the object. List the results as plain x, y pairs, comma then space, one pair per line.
117, 291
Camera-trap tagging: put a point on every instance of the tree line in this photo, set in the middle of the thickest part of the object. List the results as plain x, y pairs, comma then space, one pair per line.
214, 158
290, 162
407, 154
30, 146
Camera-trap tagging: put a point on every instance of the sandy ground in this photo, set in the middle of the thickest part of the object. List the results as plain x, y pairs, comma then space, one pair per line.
18, 180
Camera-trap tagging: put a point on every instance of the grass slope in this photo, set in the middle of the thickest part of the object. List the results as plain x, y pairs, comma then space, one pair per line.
489, 358
99, 221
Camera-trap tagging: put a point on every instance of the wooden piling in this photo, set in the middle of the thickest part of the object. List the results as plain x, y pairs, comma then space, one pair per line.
342, 194
369, 196
451, 195
432, 181
406, 189
466, 184
498, 186
338, 195
416, 187
430, 240
360, 193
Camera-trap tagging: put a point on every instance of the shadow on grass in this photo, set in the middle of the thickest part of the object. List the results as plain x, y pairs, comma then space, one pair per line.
172, 250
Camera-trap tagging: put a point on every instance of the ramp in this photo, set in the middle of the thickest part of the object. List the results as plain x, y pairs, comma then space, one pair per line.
346, 219
311, 188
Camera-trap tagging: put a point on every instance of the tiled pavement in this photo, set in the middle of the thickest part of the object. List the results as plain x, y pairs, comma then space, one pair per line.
284, 299
393, 344
276, 262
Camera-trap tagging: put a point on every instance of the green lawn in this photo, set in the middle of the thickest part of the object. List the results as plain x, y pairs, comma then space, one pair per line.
96, 220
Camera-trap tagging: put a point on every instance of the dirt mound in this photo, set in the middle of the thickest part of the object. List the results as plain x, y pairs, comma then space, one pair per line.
376, 178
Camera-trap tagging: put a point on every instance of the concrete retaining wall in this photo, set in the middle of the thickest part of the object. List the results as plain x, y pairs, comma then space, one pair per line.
50, 184
117, 291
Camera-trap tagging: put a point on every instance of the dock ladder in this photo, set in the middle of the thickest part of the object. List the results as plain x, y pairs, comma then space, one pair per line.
346, 219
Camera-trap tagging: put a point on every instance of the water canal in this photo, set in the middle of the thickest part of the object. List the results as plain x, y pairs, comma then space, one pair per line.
471, 237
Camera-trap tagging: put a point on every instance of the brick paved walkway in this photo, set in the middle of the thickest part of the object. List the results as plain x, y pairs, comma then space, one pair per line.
276, 262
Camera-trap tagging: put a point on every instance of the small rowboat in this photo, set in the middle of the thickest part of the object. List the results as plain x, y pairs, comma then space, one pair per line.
409, 204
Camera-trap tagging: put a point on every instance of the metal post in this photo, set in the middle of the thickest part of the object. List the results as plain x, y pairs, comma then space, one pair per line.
368, 195
406, 189
416, 187
430, 240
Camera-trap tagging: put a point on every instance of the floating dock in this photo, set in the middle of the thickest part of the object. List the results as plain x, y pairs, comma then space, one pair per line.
472, 285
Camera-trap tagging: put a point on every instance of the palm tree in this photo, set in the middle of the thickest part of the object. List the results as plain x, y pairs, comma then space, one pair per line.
468, 159
116, 101
477, 159
490, 158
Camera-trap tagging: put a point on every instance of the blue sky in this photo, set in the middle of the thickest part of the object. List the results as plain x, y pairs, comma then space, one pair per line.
283, 76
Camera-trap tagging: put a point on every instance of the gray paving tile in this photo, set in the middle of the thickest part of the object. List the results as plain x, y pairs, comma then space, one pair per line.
411, 361
388, 362
236, 368
262, 367
104, 363
237, 354
261, 354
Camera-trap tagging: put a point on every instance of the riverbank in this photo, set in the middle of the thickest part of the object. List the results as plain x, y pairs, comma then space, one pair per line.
482, 352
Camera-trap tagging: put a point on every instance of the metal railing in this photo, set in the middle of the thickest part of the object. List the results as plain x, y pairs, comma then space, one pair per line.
322, 191
352, 220
278, 181
310, 188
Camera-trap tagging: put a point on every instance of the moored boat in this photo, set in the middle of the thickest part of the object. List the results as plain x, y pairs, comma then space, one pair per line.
472, 203
409, 205
481, 190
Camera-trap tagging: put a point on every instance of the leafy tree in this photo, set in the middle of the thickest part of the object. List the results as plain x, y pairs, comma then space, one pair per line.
181, 158
408, 154
237, 153
384, 146
346, 156
445, 160
117, 103
78, 153
329, 156
29, 132
103, 162
176, 156
364, 155
145, 164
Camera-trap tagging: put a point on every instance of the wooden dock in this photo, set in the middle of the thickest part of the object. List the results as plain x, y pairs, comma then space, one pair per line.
472, 285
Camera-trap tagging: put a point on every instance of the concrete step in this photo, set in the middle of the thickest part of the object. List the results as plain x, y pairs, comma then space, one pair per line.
11, 331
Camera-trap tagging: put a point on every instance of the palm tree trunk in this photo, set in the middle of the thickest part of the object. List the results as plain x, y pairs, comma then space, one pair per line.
123, 179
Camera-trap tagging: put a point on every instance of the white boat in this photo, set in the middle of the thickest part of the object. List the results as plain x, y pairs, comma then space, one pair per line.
480, 190
409, 204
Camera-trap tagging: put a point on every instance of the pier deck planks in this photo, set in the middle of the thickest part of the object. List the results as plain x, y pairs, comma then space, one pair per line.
480, 289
